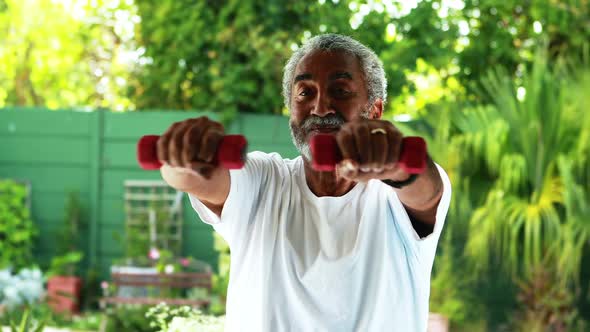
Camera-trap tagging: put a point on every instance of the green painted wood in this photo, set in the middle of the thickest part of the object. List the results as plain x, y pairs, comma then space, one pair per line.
112, 211
44, 150
49, 178
286, 151
41, 122
95, 148
136, 124
265, 128
51, 206
114, 179
121, 154
112, 238
198, 242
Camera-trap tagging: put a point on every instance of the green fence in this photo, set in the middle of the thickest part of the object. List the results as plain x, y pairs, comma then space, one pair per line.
93, 153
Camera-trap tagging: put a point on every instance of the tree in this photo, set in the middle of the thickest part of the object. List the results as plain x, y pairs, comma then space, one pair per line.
54, 55
528, 142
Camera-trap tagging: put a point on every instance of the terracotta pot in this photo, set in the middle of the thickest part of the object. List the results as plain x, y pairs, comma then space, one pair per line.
63, 294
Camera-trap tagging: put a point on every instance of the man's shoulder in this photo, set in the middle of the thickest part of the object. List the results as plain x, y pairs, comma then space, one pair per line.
271, 158
270, 162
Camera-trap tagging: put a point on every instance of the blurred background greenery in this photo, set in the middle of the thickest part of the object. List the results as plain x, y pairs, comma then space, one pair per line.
498, 88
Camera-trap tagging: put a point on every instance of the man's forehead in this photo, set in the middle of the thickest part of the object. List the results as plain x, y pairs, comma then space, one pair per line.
334, 64
331, 77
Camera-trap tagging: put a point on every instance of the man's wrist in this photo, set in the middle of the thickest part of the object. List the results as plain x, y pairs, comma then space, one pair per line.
401, 184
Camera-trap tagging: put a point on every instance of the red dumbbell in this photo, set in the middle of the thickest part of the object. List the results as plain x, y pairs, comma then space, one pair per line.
325, 153
230, 153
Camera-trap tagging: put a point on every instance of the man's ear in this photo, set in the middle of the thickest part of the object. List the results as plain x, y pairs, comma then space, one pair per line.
377, 109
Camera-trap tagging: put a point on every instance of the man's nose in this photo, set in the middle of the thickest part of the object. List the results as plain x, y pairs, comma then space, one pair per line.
322, 106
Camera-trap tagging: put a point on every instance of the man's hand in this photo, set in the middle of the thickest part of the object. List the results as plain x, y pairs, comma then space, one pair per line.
191, 143
370, 150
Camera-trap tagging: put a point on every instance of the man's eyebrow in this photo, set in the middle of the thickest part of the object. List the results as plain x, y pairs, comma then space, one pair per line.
302, 77
340, 74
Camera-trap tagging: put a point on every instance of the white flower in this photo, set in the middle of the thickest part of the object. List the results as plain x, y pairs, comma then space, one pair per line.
168, 269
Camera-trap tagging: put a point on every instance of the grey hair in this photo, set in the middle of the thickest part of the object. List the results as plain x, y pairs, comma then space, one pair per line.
370, 64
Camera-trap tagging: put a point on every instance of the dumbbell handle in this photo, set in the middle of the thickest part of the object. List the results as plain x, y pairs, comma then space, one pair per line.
230, 153
326, 154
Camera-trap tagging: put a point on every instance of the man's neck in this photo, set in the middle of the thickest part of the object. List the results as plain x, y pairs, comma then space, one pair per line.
326, 183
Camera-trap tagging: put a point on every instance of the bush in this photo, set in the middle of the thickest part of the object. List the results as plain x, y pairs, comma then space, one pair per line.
181, 319
127, 318
16, 227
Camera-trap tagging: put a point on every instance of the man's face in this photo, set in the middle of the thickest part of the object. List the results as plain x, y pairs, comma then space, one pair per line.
328, 90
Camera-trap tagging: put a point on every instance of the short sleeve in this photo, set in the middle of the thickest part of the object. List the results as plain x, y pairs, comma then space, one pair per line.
245, 187
425, 246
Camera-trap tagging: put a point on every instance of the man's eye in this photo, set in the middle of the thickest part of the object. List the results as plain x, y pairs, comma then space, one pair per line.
342, 92
304, 93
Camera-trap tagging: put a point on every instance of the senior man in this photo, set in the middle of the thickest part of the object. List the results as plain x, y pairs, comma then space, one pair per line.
348, 250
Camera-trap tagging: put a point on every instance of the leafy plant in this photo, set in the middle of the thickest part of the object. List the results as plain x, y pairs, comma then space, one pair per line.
221, 278
520, 140
167, 319
69, 255
546, 305
149, 228
126, 318
17, 230
446, 289
65, 264
27, 324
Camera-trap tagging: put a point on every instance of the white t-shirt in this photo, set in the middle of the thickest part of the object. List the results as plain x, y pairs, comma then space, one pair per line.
305, 263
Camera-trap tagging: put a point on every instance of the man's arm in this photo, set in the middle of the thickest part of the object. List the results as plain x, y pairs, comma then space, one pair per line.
370, 150
421, 197
211, 192
187, 150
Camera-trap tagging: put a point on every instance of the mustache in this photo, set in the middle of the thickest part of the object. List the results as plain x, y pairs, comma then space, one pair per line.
331, 120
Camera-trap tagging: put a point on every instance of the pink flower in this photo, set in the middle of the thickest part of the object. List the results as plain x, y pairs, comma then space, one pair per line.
104, 285
154, 253
184, 262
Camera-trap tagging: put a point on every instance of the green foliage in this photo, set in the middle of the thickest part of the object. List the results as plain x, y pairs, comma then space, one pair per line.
185, 318
27, 323
221, 278
223, 56
531, 126
65, 264
506, 33
138, 231
227, 56
546, 305
59, 55
68, 255
445, 293
89, 321
17, 230
127, 318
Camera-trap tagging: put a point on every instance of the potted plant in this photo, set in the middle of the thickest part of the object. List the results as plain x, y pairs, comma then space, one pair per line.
64, 286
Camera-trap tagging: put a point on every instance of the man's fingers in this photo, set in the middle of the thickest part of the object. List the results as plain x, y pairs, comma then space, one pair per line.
347, 145
163, 143
191, 141
348, 168
380, 146
209, 144
362, 139
175, 145
394, 146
